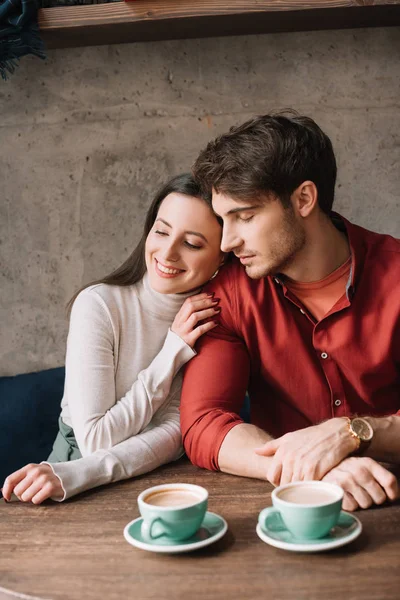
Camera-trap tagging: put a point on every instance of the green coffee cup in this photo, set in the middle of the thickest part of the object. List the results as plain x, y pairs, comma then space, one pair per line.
308, 509
174, 511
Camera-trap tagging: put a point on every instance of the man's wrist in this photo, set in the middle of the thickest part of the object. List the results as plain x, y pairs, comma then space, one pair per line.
384, 446
349, 439
362, 430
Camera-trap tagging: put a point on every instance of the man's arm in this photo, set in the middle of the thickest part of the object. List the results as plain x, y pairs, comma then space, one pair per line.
214, 387
213, 392
236, 455
312, 452
385, 445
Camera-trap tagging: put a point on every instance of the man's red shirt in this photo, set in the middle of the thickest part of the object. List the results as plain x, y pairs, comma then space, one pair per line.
298, 372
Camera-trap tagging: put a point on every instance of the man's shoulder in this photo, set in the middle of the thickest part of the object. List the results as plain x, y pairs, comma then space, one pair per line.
377, 260
372, 245
369, 236
380, 244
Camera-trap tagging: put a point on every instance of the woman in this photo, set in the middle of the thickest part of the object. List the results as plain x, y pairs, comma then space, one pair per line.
130, 333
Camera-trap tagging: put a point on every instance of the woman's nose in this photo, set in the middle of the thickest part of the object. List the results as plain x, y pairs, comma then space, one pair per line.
171, 252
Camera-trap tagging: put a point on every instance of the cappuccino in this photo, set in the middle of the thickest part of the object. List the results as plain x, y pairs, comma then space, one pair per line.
173, 498
306, 495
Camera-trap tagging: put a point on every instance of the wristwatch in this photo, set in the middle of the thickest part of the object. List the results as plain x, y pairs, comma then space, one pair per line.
362, 431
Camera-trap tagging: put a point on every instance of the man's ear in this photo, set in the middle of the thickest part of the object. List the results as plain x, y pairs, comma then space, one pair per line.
305, 198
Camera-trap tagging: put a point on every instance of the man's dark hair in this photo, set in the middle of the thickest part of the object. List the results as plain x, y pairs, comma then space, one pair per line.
269, 154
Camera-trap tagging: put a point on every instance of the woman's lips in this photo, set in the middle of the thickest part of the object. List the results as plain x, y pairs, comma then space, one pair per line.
167, 272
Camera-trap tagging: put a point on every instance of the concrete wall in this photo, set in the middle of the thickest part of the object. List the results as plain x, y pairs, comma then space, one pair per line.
88, 135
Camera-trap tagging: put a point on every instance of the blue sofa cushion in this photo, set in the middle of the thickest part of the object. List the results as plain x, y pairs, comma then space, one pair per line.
29, 411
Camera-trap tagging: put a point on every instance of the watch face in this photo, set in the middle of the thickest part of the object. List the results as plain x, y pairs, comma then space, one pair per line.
363, 429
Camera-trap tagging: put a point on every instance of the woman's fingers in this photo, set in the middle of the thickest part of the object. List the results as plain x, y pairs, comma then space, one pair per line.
31, 489
44, 493
199, 331
201, 296
200, 315
190, 308
33, 483
194, 310
13, 480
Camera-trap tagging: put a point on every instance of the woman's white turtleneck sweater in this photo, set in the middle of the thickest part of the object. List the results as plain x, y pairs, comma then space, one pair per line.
122, 386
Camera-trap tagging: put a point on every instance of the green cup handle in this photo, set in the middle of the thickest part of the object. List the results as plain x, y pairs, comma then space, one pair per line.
147, 529
276, 523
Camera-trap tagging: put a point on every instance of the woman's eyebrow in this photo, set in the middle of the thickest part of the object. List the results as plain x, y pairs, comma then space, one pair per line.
163, 221
189, 232
198, 234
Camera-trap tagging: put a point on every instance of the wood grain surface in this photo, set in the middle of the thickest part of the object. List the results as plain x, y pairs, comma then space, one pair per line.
76, 550
145, 20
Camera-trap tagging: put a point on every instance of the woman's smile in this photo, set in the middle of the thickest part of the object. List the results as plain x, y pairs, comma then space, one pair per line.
164, 271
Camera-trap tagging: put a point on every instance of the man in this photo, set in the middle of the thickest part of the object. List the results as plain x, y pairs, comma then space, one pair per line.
309, 325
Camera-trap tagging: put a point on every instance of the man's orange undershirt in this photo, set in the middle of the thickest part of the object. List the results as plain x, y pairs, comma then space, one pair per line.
319, 297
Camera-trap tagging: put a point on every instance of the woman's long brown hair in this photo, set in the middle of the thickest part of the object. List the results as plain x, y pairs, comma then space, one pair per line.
134, 268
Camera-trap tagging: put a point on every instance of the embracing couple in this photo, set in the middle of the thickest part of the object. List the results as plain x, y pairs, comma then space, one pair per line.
245, 281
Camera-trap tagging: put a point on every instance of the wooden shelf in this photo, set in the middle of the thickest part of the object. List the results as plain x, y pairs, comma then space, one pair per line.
146, 20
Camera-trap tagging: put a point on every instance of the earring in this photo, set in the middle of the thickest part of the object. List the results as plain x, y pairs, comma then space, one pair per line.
215, 274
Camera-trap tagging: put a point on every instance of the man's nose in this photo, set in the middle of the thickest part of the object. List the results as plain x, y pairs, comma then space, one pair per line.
230, 240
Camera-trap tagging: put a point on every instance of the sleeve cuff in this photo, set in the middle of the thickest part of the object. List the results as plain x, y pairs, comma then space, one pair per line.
44, 462
176, 346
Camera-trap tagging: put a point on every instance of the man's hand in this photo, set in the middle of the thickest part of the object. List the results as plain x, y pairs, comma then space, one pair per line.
364, 481
33, 483
308, 453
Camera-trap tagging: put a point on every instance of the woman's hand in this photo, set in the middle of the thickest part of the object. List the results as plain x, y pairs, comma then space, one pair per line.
193, 310
33, 483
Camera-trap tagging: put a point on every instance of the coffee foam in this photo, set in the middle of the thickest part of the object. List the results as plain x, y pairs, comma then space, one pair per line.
173, 497
307, 495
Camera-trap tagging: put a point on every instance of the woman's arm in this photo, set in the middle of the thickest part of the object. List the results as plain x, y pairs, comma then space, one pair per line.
160, 443
100, 419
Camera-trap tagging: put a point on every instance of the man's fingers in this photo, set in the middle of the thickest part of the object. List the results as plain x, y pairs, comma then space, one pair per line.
286, 472
361, 496
349, 502
268, 449
385, 478
274, 472
376, 492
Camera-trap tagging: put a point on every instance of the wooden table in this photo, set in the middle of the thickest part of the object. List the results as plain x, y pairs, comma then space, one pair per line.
76, 550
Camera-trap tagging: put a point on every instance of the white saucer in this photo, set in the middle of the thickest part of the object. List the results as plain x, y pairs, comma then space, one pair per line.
275, 534
211, 530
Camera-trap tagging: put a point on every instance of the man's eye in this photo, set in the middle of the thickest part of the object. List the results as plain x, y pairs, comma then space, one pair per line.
245, 219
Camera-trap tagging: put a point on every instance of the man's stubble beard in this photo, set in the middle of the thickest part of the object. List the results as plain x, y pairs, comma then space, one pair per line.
293, 240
